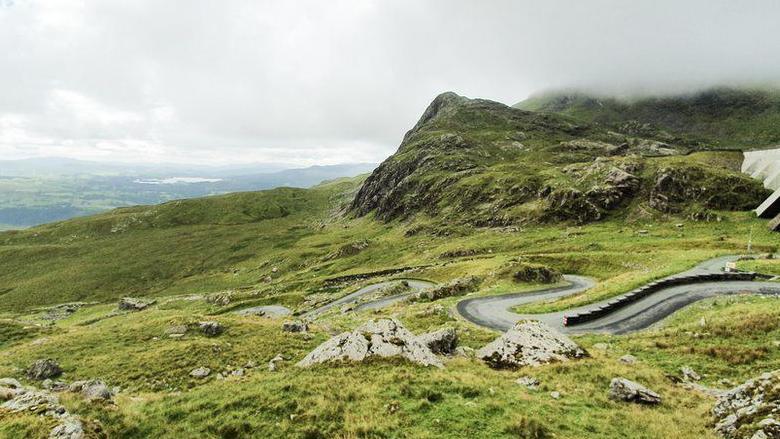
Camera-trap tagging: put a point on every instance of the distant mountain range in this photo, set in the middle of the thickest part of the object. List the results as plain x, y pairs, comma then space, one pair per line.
37, 191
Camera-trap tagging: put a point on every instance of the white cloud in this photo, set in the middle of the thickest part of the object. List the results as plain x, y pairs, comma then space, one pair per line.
311, 81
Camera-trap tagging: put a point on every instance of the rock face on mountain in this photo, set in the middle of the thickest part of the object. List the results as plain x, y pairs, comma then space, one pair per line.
483, 163
750, 410
381, 338
529, 343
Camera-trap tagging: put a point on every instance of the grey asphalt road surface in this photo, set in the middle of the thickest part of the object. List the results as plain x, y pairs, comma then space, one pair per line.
494, 311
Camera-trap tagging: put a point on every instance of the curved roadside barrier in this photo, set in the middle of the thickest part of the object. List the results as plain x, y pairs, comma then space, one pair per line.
642, 292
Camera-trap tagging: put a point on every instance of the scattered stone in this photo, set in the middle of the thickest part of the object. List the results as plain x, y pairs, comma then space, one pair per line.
42, 369
200, 372
529, 343
295, 326
69, 428
703, 322
96, 390
251, 364
689, 374
238, 372
622, 389
62, 311
272, 363
56, 386
749, 409
381, 338
527, 381
135, 304
10, 383
442, 342
38, 402
555, 395
628, 359
211, 328
601, 346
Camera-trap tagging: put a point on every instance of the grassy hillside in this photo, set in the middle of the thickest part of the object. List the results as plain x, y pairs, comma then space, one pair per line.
476, 188
720, 117
483, 163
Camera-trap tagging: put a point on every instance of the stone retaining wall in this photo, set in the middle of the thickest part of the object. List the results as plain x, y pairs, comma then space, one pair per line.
640, 293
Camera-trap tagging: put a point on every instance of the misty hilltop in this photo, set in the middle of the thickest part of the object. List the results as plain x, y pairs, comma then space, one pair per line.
722, 117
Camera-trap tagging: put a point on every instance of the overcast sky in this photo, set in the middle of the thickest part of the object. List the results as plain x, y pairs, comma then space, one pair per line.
332, 81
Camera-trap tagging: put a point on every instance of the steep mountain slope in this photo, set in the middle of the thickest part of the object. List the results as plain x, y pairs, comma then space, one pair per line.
720, 117
483, 163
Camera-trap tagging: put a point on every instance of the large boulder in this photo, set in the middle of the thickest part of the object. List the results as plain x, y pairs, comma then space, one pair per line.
621, 389
43, 369
749, 410
381, 338
442, 342
529, 343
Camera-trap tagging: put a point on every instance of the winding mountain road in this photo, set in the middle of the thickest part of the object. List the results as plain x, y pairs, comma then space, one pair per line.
494, 311
414, 285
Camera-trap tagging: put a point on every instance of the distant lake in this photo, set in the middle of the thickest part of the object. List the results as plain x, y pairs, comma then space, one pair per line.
177, 180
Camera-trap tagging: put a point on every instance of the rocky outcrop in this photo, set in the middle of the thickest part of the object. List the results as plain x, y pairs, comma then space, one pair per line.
535, 273
442, 342
457, 287
750, 410
375, 339
210, 328
44, 369
570, 204
34, 401
621, 389
295, 326
134, 304
529, 343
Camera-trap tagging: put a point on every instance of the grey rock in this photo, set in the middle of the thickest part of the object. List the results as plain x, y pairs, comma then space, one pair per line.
382, 338
737, 409
529, 343
200, 372
601, 346
96, 390
555, 395
270, 311
272, 363
628, 359
621, 389
211, 328
442, 342
135, 304
295, 326
43, 369
689, 374
76, 386
10, 383
69, 427
529, 382
35, 401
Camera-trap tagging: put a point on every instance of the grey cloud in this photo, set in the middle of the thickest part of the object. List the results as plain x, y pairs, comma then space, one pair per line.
325, 82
